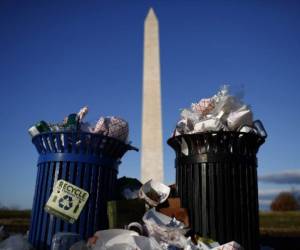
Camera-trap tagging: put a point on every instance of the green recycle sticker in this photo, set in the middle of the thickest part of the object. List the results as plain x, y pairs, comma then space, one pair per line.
66, 201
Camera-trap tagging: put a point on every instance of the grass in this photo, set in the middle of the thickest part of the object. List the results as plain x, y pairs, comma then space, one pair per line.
280, 223
6, 214
15, 220
271, 223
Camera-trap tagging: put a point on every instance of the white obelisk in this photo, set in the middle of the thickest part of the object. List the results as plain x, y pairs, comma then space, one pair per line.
152, 149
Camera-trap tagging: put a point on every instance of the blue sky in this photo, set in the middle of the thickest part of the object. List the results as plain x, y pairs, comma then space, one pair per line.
57, 56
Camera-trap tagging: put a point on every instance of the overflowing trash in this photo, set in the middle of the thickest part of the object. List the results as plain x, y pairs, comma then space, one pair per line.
154, 192
158, 232
164, 226
221, 112
111, 126
158, 228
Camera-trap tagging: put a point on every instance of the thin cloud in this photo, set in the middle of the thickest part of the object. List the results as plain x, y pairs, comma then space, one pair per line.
270, 193
286, 177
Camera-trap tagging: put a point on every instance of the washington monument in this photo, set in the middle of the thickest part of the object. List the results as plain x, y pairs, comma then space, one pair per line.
152, 150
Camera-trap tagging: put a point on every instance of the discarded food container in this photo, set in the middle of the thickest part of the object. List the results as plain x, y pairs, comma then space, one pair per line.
86, 166
154, 192
216, 178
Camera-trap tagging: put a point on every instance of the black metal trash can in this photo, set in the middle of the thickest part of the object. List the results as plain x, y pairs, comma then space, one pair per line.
89, 161
216, 179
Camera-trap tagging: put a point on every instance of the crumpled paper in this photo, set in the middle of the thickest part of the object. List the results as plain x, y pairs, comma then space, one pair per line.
112, 126
204, 106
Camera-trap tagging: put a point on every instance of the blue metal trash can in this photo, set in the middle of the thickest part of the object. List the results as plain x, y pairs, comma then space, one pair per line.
89, 161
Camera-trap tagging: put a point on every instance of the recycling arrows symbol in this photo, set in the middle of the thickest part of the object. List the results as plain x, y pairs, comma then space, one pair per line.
66, 202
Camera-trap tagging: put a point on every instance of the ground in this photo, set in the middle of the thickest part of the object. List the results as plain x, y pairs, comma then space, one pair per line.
280, 223
278, 229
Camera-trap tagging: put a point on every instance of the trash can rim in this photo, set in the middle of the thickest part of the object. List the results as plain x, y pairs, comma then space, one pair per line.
129, 146
172, 139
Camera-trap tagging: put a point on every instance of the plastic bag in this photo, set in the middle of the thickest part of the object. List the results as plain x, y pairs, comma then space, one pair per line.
119, 239
129, 242
164, 228
190, 117
80, 245
64, 240
229, 246
15, 242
